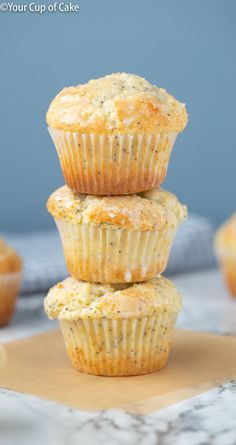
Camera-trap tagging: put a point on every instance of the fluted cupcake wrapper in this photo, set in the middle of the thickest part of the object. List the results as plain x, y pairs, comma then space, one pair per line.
9, 288
113, 164
119, 347
114, 255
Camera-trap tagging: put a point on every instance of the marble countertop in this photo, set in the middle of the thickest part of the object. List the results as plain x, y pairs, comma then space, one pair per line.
209, 418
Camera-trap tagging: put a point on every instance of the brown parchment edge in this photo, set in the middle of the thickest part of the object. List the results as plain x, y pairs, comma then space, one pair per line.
150, 404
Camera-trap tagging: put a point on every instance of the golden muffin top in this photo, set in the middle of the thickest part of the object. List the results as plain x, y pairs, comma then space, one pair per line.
9, 260
144, 211
72, 299
117, 103
225, 238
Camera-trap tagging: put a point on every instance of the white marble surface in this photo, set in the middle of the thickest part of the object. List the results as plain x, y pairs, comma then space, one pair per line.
206, 419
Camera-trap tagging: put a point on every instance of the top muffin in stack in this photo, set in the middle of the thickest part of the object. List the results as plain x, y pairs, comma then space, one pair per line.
114, 136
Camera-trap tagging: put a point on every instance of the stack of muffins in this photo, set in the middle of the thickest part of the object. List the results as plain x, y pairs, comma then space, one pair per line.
114, 137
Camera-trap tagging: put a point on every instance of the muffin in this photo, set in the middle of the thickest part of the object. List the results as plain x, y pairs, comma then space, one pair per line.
225, 246
114, 135
115, 330
10, 280
116, 239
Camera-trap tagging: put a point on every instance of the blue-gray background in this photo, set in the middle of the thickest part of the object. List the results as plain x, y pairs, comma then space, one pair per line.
186, 46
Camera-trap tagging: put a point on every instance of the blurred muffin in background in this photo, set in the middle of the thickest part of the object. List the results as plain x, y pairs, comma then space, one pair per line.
116, 330
225, 246
10, 280
115, 134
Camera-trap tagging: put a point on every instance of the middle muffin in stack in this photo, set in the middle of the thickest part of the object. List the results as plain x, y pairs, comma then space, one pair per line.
114, 136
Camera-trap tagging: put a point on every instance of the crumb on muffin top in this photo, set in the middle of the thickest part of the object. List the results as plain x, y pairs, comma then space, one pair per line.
225, 238
72, 299
9, 260
145, 211
117, 103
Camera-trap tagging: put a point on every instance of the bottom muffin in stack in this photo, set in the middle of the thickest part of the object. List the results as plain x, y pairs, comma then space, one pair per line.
118, 329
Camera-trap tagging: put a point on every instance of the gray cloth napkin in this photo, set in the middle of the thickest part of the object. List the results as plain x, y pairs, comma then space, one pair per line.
44, 263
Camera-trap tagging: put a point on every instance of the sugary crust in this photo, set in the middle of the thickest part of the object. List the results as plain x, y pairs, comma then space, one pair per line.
117, 103
146, 211
9, 260
168, 201
225, 238
72, 299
